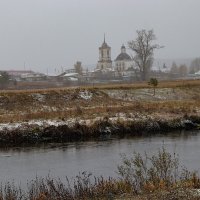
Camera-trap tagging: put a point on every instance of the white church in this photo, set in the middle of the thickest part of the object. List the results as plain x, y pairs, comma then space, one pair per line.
122, 63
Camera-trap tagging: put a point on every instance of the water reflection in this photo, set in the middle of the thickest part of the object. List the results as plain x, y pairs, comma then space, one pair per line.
99, 157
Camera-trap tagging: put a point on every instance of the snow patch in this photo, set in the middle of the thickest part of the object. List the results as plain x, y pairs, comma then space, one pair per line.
85, 95
39, 97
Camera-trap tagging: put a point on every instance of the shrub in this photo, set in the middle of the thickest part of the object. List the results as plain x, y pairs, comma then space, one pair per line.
153, 82
159, 171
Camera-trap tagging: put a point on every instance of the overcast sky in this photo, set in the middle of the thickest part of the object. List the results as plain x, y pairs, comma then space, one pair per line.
48, 34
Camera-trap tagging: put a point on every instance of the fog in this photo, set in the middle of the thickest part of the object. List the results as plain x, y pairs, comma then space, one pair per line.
48, 34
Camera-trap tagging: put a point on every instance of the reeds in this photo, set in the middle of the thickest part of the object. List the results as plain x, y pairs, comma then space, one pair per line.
157, 176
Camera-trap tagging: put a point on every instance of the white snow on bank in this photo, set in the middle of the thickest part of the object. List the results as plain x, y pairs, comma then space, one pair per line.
46, 123
85, 95
41, 123
69, 122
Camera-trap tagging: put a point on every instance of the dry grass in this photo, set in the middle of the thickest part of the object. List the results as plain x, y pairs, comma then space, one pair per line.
65, 103
137, 85
173, 108
141, 85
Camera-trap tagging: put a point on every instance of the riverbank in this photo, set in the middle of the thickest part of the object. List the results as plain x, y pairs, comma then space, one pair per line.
34, 132
73, 114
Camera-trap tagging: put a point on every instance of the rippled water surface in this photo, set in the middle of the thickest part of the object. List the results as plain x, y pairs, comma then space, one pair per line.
98, 157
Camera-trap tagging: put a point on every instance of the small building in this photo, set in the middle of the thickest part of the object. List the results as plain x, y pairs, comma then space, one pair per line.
104, 74
33, 77
197, 73
16, 74
71, 77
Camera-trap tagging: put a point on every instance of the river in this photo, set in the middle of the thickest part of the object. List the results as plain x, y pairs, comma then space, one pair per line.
98, 157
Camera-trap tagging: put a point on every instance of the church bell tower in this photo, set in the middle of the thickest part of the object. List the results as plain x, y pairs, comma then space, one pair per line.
105, 61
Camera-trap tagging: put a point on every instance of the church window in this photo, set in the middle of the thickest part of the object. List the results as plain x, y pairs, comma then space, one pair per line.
123, 65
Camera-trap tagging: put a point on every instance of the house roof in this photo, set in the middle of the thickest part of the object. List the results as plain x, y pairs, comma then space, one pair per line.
70, 74
32, 75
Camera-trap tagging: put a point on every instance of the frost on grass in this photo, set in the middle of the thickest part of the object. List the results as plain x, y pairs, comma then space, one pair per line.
38, 97
85, 94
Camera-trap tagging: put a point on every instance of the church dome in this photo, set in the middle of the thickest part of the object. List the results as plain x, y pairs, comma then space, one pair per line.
123, 55
123, 47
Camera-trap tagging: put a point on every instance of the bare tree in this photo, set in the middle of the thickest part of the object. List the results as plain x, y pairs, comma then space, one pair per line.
195, 65
183, 70
174, 68
143, 48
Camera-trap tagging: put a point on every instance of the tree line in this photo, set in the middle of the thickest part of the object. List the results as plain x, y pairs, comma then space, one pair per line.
183, 69
143, 48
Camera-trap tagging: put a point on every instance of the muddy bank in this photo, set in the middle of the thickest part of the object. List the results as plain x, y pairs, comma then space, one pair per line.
63, 131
